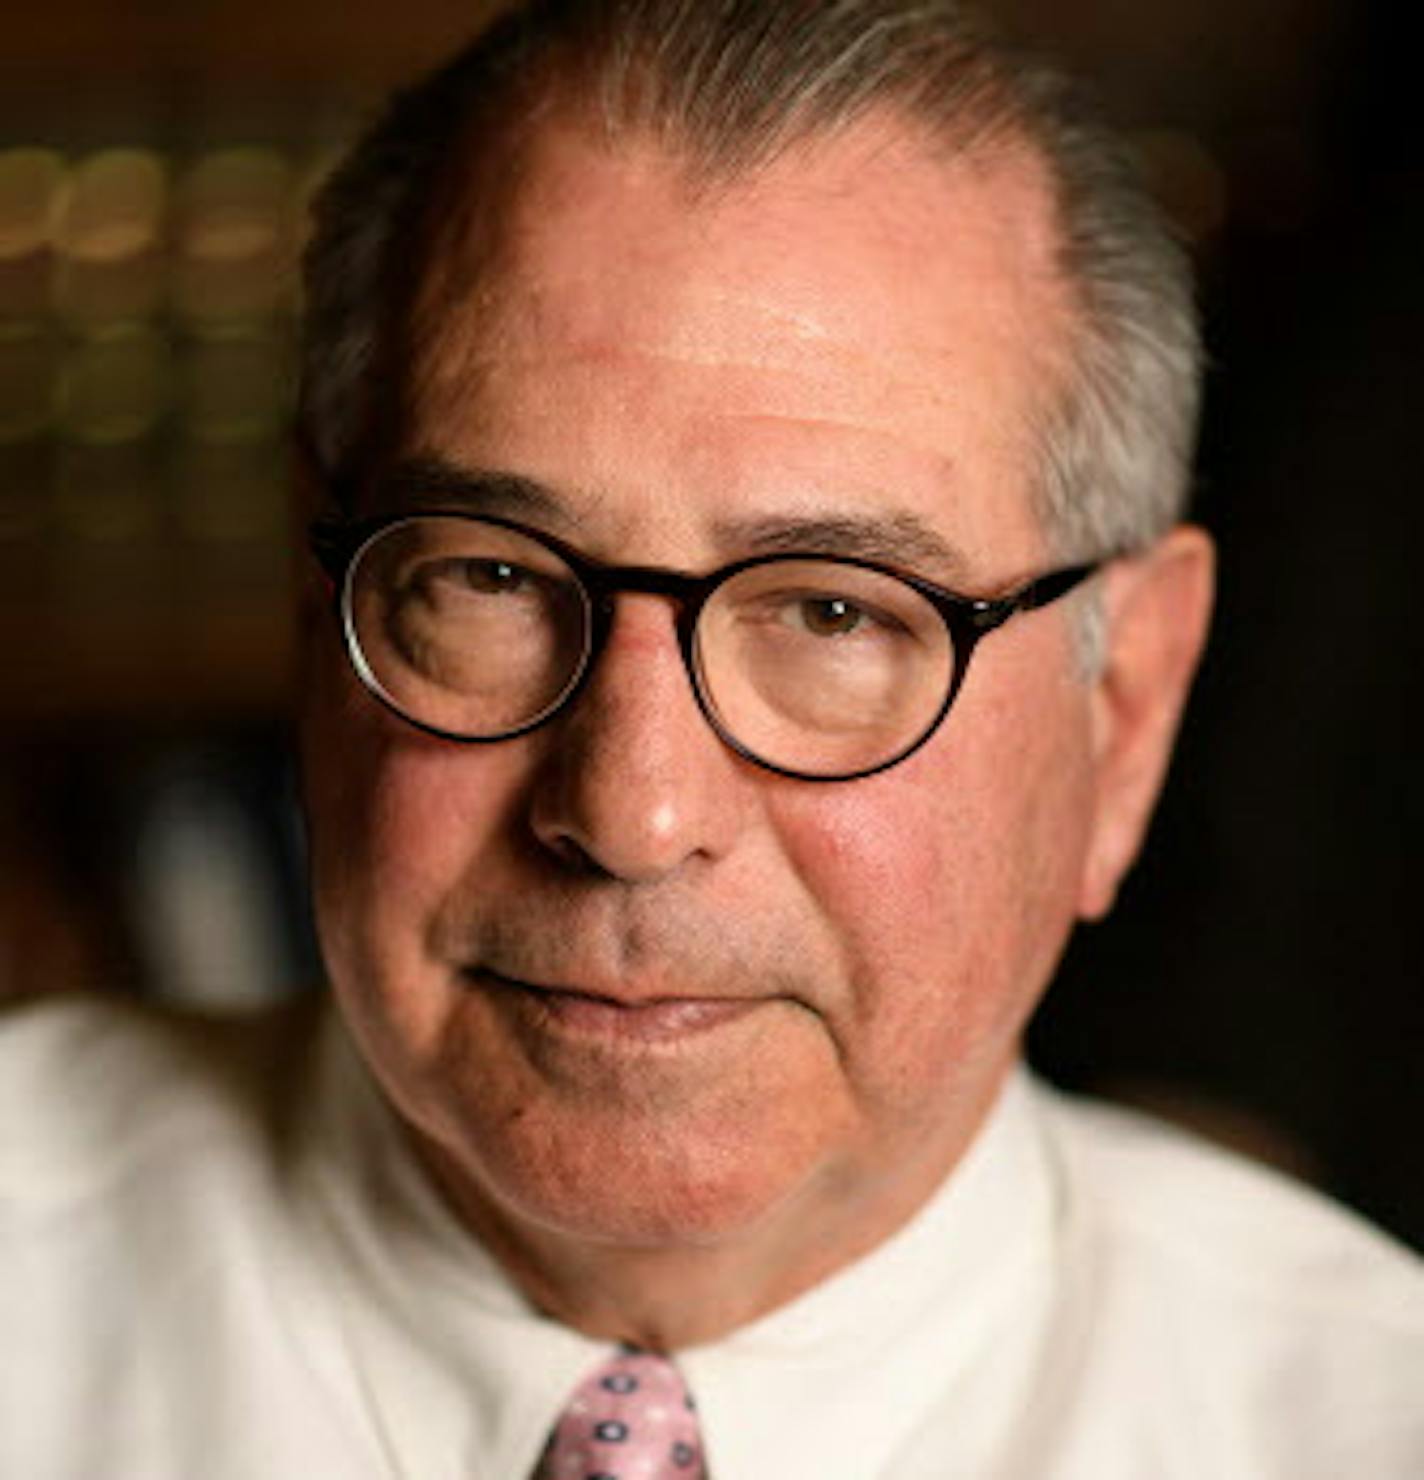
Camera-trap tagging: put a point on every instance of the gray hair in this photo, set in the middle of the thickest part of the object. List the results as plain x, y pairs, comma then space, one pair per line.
729, 85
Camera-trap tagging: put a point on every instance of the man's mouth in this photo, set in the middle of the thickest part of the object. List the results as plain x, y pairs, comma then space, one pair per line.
632, 1018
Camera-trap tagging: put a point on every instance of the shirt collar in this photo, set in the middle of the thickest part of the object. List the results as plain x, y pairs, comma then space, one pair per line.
949, 1308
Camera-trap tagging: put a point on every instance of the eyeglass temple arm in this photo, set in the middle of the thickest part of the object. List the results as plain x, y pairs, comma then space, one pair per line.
327, 541
986, 615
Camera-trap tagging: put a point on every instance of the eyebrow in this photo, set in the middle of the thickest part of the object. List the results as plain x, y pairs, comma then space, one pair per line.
415, 481
896, 538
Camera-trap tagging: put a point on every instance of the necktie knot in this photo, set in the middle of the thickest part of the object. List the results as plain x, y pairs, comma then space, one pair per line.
631, 1418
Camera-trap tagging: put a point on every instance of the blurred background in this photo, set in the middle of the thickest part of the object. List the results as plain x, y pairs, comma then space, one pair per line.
1262, 977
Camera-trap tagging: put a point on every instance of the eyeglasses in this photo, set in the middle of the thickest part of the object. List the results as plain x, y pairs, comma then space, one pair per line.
821, 667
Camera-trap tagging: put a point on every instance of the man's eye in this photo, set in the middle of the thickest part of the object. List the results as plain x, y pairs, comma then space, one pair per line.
486, 577
830, 616
493, 576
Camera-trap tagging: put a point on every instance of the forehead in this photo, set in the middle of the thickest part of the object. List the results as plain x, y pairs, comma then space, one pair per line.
877, 325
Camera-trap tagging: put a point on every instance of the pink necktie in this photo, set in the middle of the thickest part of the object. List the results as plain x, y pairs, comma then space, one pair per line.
631, 1418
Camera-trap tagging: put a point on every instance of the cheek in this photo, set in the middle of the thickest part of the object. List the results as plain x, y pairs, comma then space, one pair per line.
400, 824
950, 885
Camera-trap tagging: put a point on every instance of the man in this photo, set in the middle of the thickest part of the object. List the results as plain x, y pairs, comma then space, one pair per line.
690, 391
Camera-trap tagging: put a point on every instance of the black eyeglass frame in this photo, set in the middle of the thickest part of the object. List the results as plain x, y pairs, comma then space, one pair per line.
337, 543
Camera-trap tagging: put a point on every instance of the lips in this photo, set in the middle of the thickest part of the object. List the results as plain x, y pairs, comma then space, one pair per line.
649, 1019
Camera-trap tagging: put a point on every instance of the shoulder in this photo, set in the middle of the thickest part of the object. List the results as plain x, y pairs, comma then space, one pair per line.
94, 1091
155, 1248
1223, 1218
1286, 1324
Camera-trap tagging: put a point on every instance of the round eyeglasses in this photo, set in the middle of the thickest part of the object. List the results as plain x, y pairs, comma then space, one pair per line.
821, 667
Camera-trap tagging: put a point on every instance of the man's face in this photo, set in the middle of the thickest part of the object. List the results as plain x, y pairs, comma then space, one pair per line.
627, 986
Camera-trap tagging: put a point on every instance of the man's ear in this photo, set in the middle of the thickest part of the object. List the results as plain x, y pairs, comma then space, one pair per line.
1157, 606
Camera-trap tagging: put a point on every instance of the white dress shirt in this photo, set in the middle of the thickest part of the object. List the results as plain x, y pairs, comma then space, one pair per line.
219, 1259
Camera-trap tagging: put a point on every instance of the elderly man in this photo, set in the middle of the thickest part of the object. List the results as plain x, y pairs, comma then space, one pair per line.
748, 624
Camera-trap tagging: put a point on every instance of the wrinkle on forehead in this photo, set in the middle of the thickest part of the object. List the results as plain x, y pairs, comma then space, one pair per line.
648, 210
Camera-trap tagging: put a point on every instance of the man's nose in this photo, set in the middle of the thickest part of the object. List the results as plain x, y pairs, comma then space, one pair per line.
636, 784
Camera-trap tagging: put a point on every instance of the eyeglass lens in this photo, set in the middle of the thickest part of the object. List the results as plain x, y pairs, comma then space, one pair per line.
813, 666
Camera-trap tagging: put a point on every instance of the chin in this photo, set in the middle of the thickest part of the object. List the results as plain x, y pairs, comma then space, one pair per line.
643, 1186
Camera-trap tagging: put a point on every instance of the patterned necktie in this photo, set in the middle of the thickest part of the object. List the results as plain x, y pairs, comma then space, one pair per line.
631, 1418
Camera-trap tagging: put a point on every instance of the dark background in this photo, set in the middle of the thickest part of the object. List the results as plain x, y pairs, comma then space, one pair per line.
1262, 974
